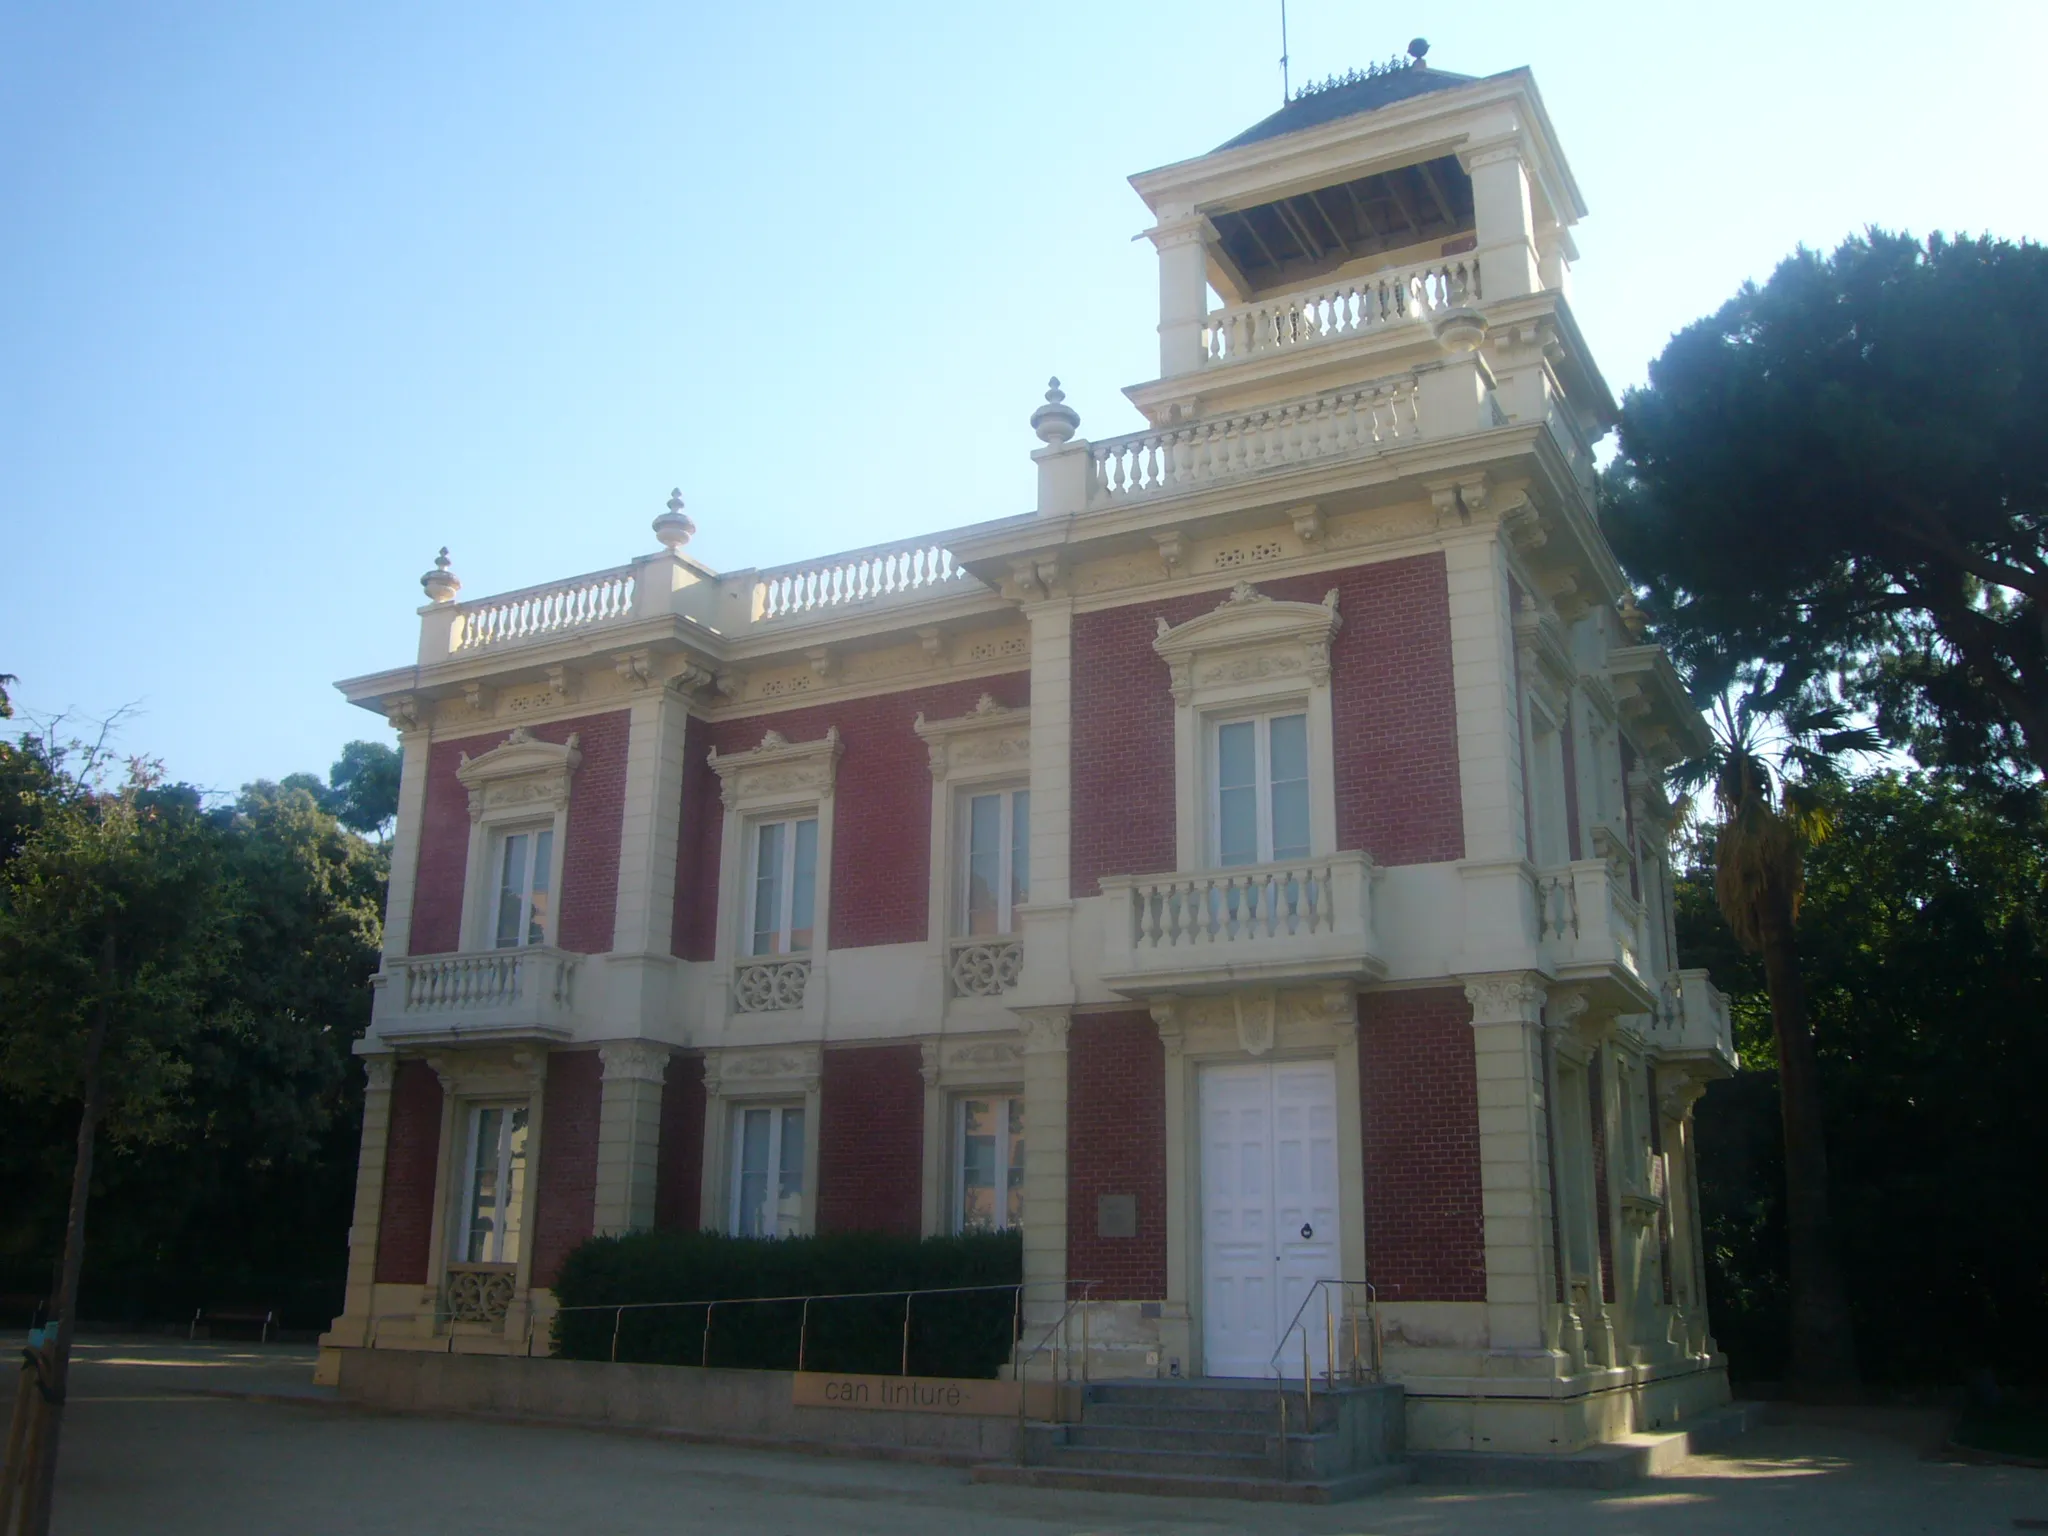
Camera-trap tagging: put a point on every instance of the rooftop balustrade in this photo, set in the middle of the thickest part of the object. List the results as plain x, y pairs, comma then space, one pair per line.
858, 576
536, 613
1374, 302
1338, 423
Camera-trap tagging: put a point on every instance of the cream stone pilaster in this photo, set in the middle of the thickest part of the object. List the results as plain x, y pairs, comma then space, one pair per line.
628, 1134
352, 1328
1482, 671
1514, 1159
640, 974
1045, 1161
1183, 291
405, 841
1047, 977
1503, 216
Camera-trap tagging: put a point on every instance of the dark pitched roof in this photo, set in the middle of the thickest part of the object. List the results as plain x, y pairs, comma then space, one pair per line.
1316, 107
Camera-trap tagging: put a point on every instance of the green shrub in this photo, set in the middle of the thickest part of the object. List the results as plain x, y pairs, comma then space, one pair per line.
962, 1335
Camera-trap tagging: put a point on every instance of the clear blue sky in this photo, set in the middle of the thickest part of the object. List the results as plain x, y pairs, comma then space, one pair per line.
293, 294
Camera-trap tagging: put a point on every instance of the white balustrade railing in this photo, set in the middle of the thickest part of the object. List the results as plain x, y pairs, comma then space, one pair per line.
1313, 914
1347, 308
1229, 906
859, 576
1705, 1025
1183, 458
538, 612
534, 979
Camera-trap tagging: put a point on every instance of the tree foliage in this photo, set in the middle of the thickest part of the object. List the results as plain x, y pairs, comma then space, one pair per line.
1844, 471
361, 791
1924, 944
228, 1164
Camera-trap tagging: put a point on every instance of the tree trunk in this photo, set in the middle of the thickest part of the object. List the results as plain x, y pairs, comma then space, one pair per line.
1823, 1345
43, 1476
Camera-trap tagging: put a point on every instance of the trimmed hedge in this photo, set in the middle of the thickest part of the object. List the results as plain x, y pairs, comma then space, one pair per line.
964, 1335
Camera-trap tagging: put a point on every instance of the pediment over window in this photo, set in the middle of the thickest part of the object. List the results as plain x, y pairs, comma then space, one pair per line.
1248, 638
521, 771
778, 768
990, 735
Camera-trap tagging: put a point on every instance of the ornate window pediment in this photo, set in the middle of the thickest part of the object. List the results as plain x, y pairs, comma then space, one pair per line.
778, 769
522, 772
990, 736
1249, 638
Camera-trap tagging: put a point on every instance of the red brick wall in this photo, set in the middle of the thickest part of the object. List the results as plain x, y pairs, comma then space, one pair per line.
565, 1197
412, 1161
871, 1144
882, 814
1424, 1227
693, 932
590, 858
679, 1164
1116, 1145
1392, 707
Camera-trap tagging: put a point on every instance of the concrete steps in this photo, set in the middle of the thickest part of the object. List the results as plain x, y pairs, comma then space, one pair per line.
1217, 1439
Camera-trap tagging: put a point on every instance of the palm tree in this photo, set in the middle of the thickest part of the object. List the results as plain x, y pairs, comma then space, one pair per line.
1777, 744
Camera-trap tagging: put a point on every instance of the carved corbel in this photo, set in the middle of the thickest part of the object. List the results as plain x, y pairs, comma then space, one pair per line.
1308, 523
561, 683
1256, 1024
928, 1062
479, 697
635, 668
691, 679
823, 662
403, 712
932, 641
1173, 551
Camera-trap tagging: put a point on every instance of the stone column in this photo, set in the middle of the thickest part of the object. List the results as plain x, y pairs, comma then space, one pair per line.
1045, 1165
1514, 1160
1183, 291
640, 972
1505, 221
628, 1134
351, 1330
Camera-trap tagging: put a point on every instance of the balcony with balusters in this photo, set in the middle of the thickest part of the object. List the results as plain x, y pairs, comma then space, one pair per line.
1300, 921
491, 994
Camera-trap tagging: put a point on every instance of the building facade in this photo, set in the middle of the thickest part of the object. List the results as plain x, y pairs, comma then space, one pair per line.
1245, 868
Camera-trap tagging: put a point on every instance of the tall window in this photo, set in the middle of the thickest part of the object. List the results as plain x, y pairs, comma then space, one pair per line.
768, 1170
494, 1185
785, 886
525, 866
1260, 811
988, 1155
997, 876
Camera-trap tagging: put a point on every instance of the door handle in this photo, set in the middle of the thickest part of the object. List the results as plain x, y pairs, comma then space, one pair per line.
1307, 1231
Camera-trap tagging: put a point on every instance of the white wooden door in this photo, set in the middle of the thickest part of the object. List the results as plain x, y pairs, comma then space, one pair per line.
1269, 1208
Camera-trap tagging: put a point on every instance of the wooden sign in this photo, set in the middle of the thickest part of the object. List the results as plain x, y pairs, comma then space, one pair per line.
963, 1397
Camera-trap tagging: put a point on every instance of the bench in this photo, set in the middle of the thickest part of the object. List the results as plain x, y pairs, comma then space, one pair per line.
264, 1318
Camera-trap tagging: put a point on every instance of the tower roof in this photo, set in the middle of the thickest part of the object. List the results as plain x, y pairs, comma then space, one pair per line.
1315, 105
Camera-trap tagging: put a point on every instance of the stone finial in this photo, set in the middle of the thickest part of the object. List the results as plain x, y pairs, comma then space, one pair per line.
441, 584
1055, 421
674, 527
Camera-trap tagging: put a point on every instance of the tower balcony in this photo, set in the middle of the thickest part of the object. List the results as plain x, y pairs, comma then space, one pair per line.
492, 994
1299, 921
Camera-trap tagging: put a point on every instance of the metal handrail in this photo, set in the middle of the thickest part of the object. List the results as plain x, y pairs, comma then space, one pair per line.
1020, 1371
710, 1304
1358, 1372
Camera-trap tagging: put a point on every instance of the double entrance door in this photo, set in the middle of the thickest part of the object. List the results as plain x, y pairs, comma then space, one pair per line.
1269, 1209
